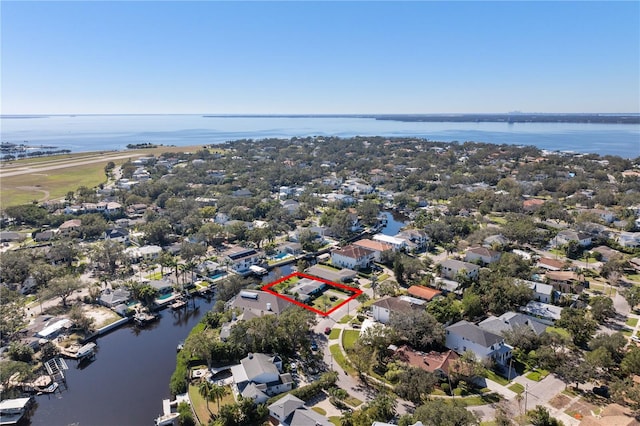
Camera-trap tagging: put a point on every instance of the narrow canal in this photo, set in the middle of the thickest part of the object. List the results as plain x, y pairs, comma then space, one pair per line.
395, 222
129, 378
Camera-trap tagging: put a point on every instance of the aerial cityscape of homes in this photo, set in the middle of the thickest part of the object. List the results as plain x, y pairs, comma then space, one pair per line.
509, 254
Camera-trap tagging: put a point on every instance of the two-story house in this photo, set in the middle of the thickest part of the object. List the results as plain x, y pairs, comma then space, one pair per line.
464, 336
450, 268
482, 254
352, 257
259, 376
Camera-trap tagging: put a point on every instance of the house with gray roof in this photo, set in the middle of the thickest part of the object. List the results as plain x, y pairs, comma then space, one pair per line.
291, 411
306, 288
113, 298
464, 336
255, 303
259, 376
383, 309
512, 321
541, 292
543, 312
450, 268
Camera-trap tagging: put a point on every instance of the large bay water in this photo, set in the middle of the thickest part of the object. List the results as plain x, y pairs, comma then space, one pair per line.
114, 132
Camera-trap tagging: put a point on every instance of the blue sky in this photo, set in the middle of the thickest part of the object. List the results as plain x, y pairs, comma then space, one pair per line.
319, 57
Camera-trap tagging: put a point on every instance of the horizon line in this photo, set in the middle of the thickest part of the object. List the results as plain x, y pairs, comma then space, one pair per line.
205, 114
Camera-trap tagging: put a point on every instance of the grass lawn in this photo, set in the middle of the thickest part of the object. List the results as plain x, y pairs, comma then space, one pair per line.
349, 338
154, 276
345, 319
537, 375
517, 388
500, 220
632, 322
561, 331
50, 184
383, 277
352, 401
496, 378
339, 357
634, 277
335, 333
473, 401
319, 410
200, 405
336, 420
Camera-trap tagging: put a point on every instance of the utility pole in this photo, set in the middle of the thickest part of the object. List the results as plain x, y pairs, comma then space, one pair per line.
526, 390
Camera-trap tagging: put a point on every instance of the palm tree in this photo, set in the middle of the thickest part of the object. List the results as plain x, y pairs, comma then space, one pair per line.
218, 392
204, 390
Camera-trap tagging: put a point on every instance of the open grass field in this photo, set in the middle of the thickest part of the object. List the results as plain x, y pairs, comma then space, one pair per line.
50, 184
50, 178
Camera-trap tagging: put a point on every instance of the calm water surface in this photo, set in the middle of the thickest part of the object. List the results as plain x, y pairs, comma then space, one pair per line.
114, 132
127, 382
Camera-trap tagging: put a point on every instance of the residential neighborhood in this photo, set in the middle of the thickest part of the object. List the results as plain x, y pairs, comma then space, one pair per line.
478, 288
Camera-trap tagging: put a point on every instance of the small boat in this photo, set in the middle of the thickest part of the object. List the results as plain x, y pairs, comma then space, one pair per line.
86, 350
178, 304
142, 318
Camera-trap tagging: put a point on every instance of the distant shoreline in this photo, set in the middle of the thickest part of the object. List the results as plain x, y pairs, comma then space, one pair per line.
595, 118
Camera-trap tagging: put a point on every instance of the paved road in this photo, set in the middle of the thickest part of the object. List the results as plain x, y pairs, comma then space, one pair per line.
35, 168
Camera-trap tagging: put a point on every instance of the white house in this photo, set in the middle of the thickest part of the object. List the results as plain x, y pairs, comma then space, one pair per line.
240, 259
629, 239
138, 254
568, 235
541, 292
414, 239
482, 254
396, 243
352, 257
259, 376
383, 308
450, 268
378, 247
543, 312
464, 336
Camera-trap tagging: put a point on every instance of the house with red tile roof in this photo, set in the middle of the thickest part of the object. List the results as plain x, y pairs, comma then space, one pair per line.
352, 257
433, 362
421, 292
377, 246
550, 264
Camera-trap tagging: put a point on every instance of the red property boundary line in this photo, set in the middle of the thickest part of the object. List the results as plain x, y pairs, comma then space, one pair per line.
356, 292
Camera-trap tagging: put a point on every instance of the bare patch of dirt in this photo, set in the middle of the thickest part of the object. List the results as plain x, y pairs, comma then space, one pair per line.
559, 401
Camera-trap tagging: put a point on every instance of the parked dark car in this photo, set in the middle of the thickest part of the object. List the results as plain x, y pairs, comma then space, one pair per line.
314, 346
327, 330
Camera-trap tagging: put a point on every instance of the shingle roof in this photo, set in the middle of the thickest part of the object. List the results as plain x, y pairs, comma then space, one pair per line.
394, 304
308, 418
262, 302
285, 406
474, 333
257, 364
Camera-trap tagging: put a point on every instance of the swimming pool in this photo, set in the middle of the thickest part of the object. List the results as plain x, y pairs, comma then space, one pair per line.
216, 276
281, 256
